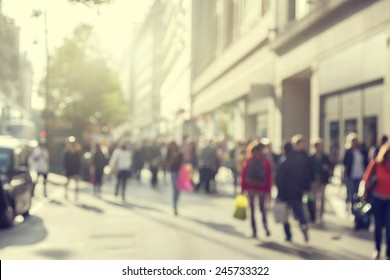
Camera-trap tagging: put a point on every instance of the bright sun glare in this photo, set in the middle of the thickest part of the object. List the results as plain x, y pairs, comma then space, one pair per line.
113, 25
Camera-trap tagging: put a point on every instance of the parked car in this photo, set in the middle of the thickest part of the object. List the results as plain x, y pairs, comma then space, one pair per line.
16, 184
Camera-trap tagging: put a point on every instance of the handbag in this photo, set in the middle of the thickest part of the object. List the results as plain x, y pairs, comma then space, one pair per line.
280, 211
183, 182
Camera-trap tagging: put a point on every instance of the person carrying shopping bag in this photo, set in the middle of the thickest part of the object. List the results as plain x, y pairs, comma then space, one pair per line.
174, 162
377, 191
256, 178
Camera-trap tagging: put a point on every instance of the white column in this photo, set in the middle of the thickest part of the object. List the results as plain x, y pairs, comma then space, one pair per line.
385, 129
314, 102
278, 125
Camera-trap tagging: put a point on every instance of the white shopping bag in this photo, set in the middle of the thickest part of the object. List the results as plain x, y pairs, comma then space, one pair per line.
280, 211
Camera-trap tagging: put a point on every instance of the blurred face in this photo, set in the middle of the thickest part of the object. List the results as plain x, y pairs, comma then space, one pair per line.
355, 143
300, 145
319, 147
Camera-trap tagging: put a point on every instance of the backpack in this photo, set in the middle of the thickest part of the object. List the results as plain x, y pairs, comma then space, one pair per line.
256, 172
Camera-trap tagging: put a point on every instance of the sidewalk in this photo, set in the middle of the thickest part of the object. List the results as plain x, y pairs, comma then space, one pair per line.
335, 193
145, 228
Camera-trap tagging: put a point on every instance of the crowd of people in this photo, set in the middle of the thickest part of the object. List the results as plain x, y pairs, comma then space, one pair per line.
300, 176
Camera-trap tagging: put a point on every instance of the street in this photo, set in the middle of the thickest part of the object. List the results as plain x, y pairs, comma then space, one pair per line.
145, 228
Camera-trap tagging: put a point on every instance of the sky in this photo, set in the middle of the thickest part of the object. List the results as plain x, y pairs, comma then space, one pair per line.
113, 24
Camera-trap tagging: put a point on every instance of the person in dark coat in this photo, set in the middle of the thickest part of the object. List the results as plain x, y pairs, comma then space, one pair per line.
293, 180
72, 165
99, 161
138, 161
154, 162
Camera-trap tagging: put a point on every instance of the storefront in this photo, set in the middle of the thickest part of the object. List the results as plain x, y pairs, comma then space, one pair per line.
356, 110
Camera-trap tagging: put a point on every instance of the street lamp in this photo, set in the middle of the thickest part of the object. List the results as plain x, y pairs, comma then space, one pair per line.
46, 114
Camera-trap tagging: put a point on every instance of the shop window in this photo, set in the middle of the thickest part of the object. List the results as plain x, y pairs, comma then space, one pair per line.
370, 131
350, 126
334, 132
334, 136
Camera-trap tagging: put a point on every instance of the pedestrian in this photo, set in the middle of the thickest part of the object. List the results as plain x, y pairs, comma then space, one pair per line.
40, 164
163, 152
174, 161
373, 151
120, 162
235, 161
138, 160
155, 159
256, 178
186, 149
355, 162
208, 165
293, 179
380, 197
99, 161
72, 165
322, 169
272, 157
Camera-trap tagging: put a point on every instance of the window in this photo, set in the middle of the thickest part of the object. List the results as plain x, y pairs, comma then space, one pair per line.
334, 136
298, 9
370, 131
350, 126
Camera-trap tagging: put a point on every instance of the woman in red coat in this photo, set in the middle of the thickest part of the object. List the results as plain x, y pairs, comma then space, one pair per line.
256, 180
380, 196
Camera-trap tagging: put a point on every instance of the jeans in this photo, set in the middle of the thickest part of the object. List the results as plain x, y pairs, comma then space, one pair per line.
299, 214
176, 192
235, 177
205, 176
352, 189
381, 211
121, 182
154, 171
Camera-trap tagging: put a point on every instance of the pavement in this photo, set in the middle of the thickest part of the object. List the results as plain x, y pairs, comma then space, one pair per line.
144, 227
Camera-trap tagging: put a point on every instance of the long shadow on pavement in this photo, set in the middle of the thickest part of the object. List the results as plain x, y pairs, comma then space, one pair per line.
219, 227
343, 229
309, 253
90, 208
54, 254
128, 205
172, 223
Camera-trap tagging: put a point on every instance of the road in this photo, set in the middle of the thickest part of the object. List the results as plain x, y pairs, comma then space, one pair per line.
145, 228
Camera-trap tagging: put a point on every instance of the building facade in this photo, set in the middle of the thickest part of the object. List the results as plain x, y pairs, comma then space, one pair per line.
146, 74
319, 68
261, 68
234, 68
176, 87
15, 74
333, 67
